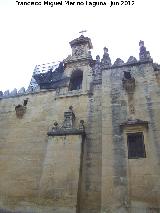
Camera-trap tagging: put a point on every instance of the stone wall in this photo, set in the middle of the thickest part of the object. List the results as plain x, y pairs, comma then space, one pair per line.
24, 151
65, 174
130, 185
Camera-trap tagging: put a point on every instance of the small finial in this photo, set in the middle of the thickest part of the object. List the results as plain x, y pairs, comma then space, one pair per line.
81, 125
55, 123
141, 43
71, 108
105, 50
144, 55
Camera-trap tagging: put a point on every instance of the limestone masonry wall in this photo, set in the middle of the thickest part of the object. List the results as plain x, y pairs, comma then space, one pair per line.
24, 148
84, 138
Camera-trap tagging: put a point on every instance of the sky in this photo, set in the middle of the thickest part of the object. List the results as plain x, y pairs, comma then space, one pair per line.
31, 35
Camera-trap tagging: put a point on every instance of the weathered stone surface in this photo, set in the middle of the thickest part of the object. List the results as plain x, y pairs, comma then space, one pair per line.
68, 171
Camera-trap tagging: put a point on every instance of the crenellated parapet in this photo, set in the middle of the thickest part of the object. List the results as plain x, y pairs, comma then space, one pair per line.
16, 93
105, 62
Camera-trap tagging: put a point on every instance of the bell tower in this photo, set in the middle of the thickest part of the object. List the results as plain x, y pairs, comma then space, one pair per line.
77, 65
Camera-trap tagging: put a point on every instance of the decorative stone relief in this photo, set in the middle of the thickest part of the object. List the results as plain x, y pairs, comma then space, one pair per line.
78, 51
131, 109
68, 126
21, 109
128, 82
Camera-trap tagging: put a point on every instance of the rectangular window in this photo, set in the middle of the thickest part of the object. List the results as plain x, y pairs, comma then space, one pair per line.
136, 147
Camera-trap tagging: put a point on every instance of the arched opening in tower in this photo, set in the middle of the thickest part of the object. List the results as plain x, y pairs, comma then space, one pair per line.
76, 80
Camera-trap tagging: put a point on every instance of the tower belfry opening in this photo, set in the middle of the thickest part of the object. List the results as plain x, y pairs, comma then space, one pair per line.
76, 80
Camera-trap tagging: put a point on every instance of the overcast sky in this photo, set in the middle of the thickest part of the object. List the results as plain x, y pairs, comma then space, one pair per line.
31, 35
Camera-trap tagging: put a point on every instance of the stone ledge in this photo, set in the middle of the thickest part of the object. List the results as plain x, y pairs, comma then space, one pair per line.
64, 132
134, 123
72, 94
